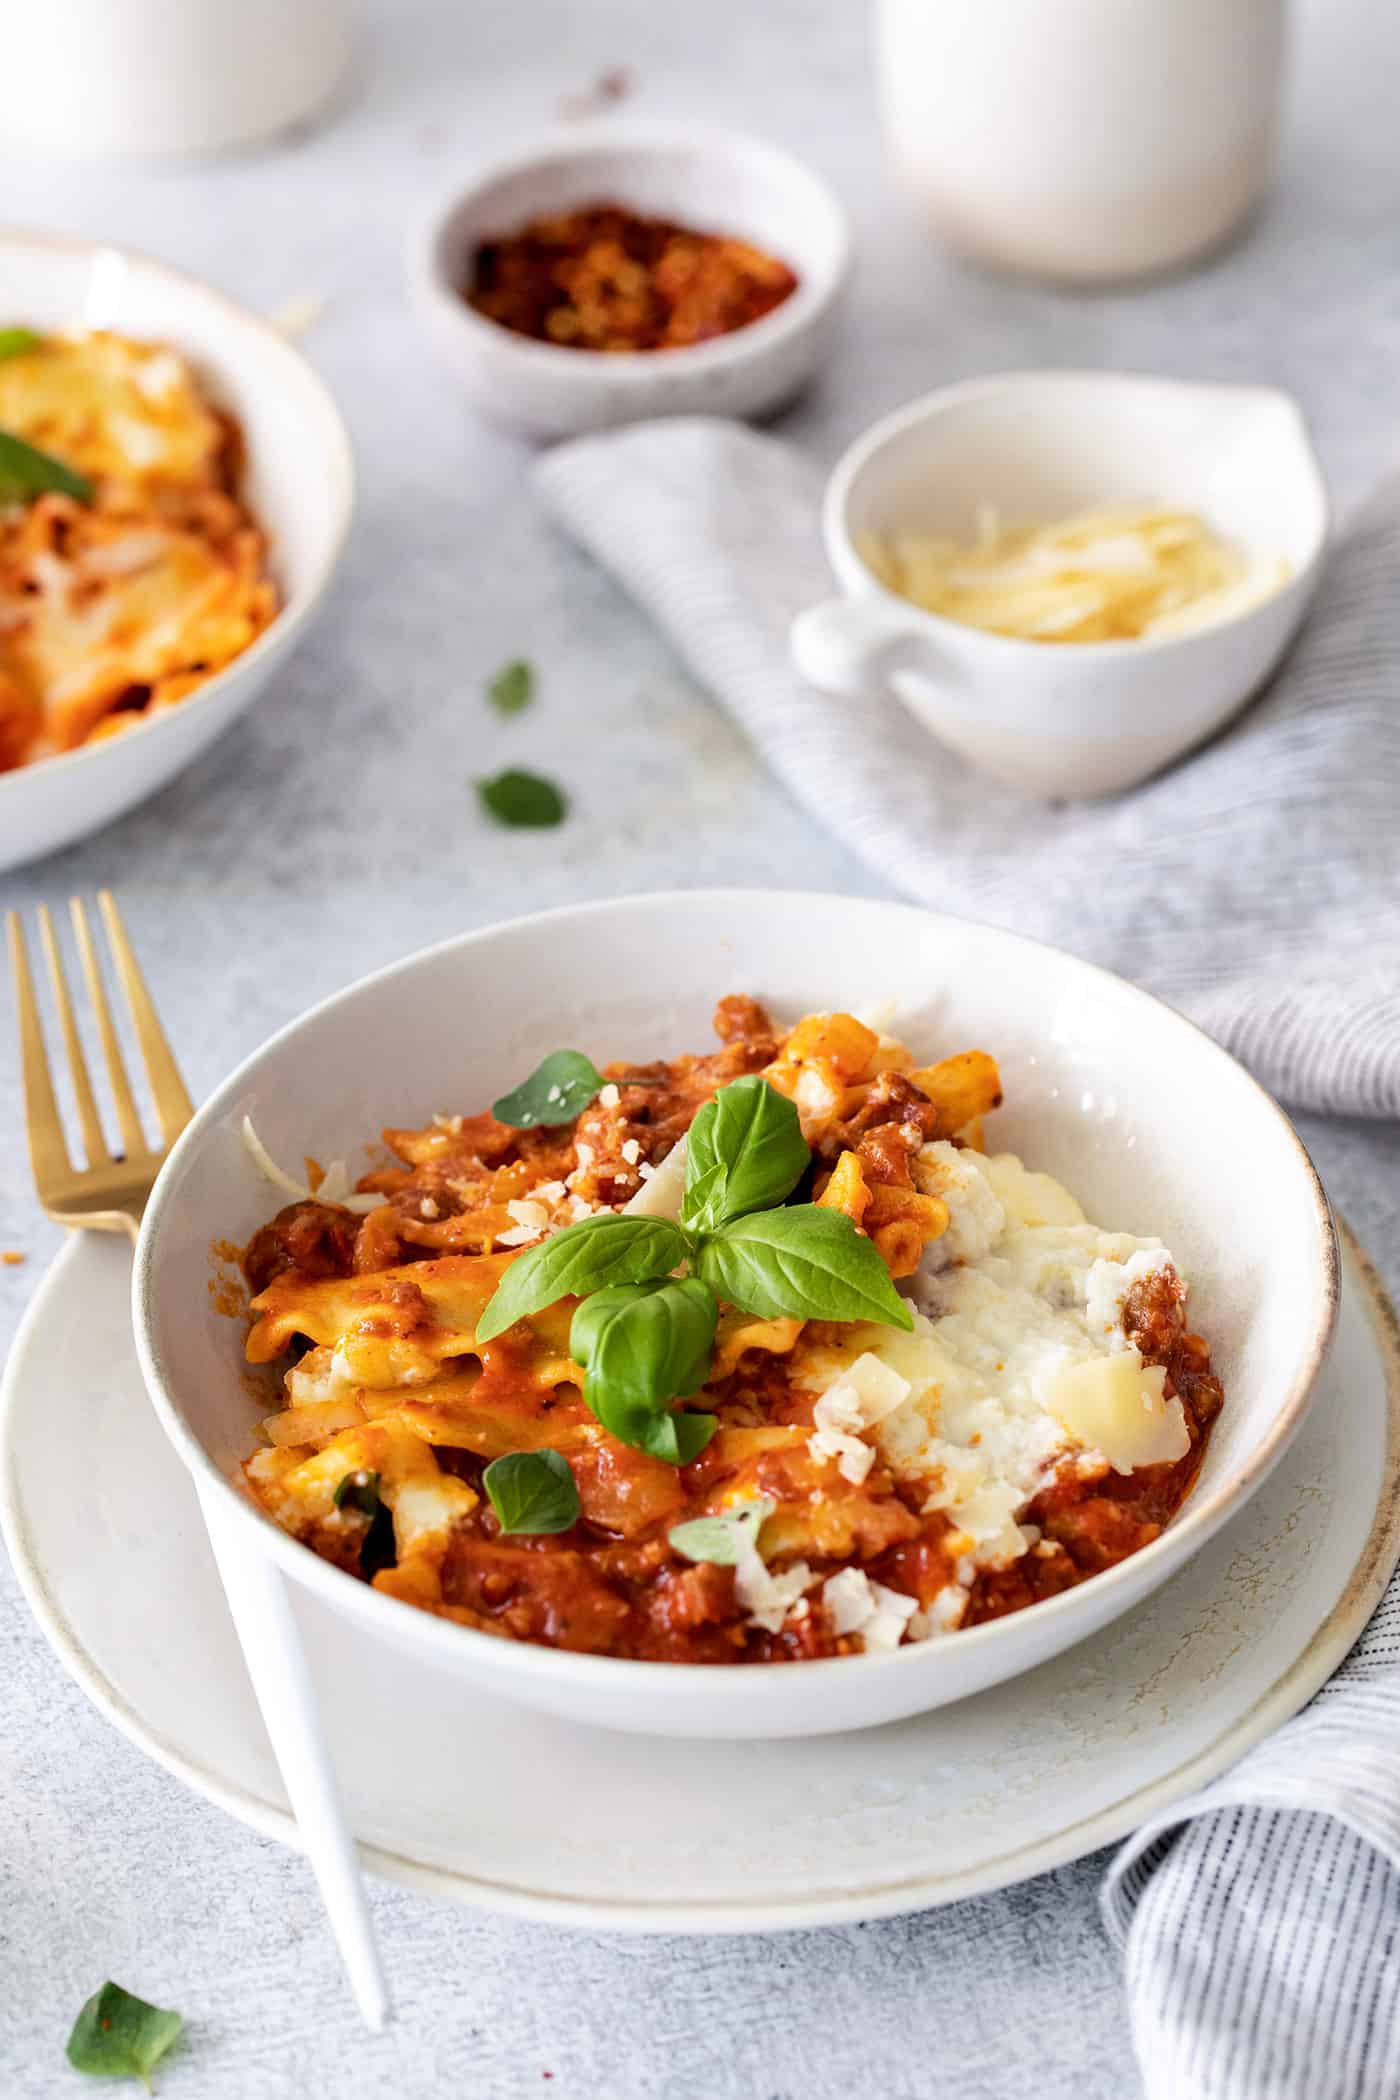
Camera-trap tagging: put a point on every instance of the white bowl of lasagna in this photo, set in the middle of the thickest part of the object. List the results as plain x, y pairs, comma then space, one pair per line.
747, 1314
175, 487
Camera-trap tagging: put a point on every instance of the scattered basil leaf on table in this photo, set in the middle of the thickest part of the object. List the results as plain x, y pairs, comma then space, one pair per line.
18, 342
532, 1491
560, 1088
119, 2036
745, 1151
513, 687
358, 1490
593, 1255
805, 1263
643, 1344
720, 1540
25, 471
524, 801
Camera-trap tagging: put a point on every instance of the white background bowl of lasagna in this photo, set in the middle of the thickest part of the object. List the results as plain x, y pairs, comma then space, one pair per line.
1154, 1128
299, 485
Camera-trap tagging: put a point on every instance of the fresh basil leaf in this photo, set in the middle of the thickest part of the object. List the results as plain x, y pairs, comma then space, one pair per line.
25, 471
532, 1491
644, 1344
675, 1436
18, 342
560, 1088
358, 1490
590, 1256
720, 1539
525, 801
803, 1263
513, 687
118, 2036
745, 1152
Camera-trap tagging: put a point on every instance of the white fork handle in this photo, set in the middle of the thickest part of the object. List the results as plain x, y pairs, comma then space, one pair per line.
272, 1649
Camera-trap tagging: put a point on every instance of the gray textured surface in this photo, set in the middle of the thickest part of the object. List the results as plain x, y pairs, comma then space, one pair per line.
335, 829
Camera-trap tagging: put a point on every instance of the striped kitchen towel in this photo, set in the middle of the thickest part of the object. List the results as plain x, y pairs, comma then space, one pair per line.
1256, 885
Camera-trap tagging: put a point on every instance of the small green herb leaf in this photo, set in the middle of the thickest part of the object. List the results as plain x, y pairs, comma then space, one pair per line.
358, 1490
676, 1436
513, 687
644, 1344
560, 1088
590, 1256
745, 1152
26, 472
522, 800
721, 1539
118, 2036
18, 342
804, 1263
532, 1491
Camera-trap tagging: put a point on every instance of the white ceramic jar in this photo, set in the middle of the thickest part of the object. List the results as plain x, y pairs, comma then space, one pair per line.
1085, 140
165, 76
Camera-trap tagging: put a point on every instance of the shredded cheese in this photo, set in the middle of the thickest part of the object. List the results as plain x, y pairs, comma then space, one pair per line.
1098, 576
335, 1183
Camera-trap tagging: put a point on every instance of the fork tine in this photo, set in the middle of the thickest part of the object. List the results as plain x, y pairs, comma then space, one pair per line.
94, 1144
133, 1136
48, 1153
173, 1104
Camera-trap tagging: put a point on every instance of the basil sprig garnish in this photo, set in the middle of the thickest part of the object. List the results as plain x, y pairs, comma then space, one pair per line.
25, 471
559, 1089
744, 1151
644, 1334
591, 1256
532, 1491
806, 1263
18, 342
119, 2036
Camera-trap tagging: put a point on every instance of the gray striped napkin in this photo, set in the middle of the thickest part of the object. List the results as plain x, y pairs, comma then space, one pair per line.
1257, 886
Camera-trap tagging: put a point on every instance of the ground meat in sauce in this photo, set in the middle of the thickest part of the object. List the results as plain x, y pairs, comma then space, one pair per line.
613, 1584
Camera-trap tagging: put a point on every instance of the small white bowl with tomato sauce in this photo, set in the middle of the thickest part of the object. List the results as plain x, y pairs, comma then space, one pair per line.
1156, 1129
722, 187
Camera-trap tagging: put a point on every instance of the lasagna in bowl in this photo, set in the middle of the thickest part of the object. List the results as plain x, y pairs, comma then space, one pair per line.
130, 571
750, 1356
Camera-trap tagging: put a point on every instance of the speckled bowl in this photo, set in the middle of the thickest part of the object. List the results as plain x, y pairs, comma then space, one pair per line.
716, 181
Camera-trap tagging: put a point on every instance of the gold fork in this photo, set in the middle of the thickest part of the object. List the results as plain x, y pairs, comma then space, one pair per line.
109, 1193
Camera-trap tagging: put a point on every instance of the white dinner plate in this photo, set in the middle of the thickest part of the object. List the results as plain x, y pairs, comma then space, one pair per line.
461, 1794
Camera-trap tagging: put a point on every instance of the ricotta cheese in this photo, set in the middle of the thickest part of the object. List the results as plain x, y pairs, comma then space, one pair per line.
1017, 1363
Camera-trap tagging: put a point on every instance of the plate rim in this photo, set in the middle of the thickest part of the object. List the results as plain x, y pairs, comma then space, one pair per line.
1309, 1670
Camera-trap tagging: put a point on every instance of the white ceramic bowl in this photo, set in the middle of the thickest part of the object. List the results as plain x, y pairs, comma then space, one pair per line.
1071, 719
299, 483
715, 181
1151, 1125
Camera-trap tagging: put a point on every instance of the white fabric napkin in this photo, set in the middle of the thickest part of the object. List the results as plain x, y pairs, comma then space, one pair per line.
1257, 885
